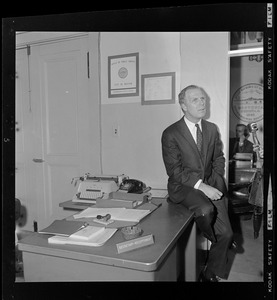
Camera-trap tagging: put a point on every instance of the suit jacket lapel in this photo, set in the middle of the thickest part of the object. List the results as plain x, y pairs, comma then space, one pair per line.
187, 135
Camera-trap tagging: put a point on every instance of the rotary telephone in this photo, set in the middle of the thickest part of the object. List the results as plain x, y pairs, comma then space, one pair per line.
132, 186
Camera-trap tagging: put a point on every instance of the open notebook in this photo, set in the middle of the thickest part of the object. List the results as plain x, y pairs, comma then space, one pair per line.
95, 241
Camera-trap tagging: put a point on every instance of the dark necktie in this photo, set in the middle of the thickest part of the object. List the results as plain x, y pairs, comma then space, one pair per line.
199, 138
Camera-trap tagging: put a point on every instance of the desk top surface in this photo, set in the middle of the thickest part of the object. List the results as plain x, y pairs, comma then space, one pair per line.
166, 223
75, 205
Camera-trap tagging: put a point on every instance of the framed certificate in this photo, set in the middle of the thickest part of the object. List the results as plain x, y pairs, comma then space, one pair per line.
158, 88
123, 73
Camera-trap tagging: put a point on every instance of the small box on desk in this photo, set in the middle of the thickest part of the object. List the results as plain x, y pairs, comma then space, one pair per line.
128, 196
120, 199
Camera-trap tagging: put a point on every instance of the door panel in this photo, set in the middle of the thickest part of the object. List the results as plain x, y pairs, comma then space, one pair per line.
64, 122
61, 105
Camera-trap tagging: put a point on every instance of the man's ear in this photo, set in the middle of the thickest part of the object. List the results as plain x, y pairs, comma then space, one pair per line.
183, 107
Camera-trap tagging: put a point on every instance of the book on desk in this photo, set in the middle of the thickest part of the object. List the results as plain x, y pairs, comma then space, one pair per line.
63, 227
96, 240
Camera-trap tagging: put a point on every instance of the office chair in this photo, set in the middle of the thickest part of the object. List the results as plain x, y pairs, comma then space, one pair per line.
241, 192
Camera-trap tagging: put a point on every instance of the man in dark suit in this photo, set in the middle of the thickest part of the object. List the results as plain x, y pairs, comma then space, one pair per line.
240, 144
196, 177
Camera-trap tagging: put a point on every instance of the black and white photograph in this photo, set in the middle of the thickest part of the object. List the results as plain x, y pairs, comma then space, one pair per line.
138, 153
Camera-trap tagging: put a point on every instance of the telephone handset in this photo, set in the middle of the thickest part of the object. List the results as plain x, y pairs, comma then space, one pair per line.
132, 186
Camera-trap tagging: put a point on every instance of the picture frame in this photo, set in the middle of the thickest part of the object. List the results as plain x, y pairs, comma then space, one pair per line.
158, 88
123, 75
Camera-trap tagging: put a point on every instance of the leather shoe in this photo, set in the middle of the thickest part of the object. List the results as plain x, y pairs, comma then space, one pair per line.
234, 246
204, 278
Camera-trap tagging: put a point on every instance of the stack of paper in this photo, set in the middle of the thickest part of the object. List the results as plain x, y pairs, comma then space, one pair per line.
120, 214
95, 241
87, 233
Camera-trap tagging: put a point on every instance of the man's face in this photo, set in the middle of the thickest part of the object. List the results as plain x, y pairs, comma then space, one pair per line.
194, 104
240, 131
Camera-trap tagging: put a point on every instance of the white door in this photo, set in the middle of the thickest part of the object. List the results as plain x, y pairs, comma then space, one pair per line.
65, 142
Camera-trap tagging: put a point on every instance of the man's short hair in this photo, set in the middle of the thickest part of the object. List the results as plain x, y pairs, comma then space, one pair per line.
182, 94
239, 125
246, 131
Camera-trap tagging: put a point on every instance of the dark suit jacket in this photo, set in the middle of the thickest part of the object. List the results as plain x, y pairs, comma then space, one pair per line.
183, 163
246, 148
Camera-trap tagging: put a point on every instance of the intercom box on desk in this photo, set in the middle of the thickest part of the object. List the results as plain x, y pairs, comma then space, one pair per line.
128, 196
110, 203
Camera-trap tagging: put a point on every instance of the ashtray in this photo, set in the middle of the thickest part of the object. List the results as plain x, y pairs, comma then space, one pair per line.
131, 232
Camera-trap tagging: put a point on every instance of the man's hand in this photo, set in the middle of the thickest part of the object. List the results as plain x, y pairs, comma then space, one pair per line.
211, 192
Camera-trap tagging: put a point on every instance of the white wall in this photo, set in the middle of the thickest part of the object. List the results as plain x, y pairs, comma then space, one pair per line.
137, 150
205, 62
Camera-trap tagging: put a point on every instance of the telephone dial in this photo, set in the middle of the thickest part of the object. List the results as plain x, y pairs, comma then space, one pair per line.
132, 186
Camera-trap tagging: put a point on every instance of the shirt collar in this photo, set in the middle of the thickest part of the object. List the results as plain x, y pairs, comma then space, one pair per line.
191, 125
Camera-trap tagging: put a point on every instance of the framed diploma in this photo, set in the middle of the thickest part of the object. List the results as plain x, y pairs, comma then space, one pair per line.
123, 73
158, 88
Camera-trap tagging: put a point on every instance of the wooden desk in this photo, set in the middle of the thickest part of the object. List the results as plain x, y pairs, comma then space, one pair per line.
173, 254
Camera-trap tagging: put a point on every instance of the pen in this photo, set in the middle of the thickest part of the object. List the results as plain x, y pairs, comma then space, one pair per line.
84, 225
